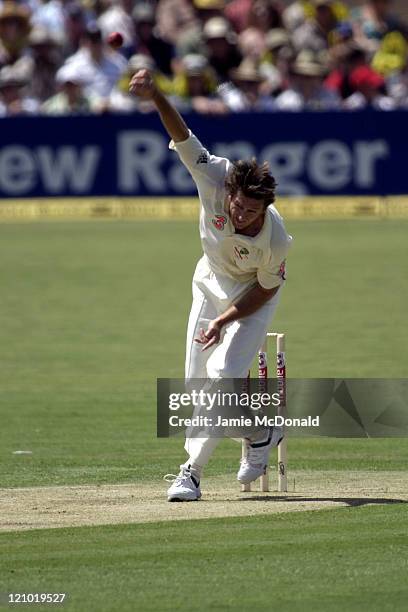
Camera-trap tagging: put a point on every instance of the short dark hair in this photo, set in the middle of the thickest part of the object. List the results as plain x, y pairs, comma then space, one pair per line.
253, 179
93, 33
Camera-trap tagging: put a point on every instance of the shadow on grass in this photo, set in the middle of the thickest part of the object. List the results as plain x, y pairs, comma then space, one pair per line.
350, 501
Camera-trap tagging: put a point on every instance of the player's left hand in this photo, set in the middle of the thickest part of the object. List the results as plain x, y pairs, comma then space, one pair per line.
211, 336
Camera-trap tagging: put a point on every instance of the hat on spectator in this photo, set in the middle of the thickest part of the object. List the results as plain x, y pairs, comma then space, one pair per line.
93, 32
10, 77
366, 76
194, 64
75, 11
209, 5
306, 64
317, 3
139, 61
218, 27
247, 71
346, 53
278, 37
42, 36
143, 12
251, 42
272, 75
13, 10
71, 73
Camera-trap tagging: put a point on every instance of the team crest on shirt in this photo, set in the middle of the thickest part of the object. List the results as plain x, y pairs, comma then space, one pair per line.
282, 270
219, 222
241, 252
203, 158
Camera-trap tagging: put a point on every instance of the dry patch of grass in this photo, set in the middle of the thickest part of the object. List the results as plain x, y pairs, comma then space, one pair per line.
64, 506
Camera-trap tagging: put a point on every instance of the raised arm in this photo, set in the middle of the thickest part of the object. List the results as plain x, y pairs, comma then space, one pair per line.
142, 85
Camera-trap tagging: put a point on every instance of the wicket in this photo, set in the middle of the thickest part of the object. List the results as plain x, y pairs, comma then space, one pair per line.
262, 384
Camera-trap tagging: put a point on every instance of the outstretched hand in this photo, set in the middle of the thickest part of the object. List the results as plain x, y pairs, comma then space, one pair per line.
142, 85
211, 336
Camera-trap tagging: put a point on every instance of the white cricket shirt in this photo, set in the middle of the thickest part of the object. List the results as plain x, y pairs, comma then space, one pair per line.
240, 258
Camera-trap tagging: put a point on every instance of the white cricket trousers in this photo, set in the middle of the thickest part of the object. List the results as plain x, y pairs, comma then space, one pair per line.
233, 355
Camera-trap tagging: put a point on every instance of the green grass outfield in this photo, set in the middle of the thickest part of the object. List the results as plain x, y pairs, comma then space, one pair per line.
350, 559
91, 313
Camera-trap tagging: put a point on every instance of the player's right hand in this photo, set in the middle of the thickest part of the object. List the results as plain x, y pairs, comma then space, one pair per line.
211, 336
142, 85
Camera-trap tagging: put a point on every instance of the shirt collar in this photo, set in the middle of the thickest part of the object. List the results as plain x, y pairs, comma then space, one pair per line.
263, 239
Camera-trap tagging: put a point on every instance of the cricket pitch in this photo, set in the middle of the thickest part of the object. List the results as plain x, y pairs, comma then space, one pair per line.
75, 506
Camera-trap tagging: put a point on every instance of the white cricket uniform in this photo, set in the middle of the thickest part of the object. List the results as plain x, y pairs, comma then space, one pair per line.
230, 265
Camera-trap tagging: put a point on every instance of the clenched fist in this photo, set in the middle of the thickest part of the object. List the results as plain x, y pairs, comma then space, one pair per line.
142, 85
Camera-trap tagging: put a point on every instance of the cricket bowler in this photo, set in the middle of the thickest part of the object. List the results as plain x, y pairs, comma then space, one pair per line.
236, 285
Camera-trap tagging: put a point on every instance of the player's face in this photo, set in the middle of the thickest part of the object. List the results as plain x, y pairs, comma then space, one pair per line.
245, 212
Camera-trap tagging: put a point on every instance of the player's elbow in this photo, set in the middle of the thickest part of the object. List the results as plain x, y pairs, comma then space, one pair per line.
268, 293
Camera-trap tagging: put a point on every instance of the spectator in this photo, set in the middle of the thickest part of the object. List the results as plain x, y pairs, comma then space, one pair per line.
392, 54
50, 15
265, 15
261, 14
398, 87
222, 50
175, 18
147, 42
42, 64
314, 34
343, 33
13, 101
14, 30
245, 92
101, 66
369, 91
372, 21
192, 41
306, 91
240, 43
196, 87
295, 15
252, 44
75, 28
118, 18
207, 9
346, 60
278, 40
122, 101
71, 98
237, 13
298, 12
276, 63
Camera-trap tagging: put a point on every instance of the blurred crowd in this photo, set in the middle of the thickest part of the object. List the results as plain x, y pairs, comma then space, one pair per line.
212, 56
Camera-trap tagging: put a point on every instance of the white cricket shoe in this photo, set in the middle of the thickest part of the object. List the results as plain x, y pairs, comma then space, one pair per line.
185, 487
255, 462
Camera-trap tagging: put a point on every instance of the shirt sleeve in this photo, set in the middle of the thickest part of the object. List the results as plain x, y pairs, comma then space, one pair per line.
273, 272
199, 162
